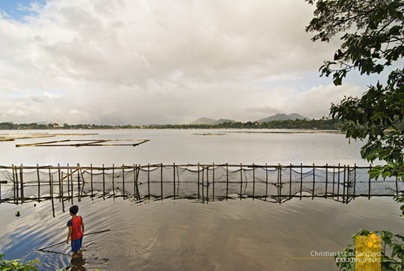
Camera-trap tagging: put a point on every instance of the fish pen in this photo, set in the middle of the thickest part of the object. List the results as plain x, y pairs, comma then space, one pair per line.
202, 182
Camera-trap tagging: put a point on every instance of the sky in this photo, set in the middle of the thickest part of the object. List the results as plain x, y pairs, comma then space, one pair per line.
162, 62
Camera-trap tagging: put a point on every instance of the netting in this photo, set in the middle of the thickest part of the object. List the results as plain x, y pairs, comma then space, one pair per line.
200, 182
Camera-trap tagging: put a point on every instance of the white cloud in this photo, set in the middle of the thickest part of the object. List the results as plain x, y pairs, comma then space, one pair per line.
132, 61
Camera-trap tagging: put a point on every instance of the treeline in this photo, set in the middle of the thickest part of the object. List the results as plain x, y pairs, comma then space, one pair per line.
322, 124
65, 126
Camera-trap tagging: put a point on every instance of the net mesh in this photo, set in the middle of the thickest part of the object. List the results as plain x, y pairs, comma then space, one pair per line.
201, 182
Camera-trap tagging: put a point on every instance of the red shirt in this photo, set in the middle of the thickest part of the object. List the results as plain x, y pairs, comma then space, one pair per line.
75, 223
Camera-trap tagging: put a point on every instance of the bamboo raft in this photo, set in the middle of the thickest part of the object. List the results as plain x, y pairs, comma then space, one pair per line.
13, 137
86, 143
201, 182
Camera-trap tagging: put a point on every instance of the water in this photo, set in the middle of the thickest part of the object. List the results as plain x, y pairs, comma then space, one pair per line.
184, 235
191, 146
188, 235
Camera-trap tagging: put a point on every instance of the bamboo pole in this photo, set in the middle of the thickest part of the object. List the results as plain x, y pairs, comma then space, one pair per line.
333, 182
227, 181
339, 177
349, 183
199, 182
137, 182
370, 186
39, 184
280, 185
62, 193
241, 180
266, 182
78, 182
60, 196
161, 175
161, 182
68, 181
207, 185
174, 180
344, 187
213, 182
134, 181
71, 186
51, 192
326, 180
202, 185
14, 182
354, 188
301, 181
22, 184
91, 180
253, 181
113, 181
290, 181
103, 181
83, 181
123, 182
148, 181
314, 181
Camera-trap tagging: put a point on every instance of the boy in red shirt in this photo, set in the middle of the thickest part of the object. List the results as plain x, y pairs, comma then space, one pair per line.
76, 229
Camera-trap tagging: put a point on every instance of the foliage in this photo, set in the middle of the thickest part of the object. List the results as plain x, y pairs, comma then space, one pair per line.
16, 265
392, 252
373, 36
372, 39
377, 116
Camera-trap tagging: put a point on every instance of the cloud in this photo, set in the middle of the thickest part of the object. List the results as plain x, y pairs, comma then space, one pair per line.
133, 61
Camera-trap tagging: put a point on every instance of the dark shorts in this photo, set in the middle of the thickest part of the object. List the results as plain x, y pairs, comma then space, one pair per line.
76, 244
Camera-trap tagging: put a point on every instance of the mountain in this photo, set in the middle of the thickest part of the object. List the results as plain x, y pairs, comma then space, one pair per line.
292, 116
220, 121
204, 120
209, 121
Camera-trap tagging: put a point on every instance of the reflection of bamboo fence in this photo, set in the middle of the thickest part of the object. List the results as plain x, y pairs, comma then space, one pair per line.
204, 182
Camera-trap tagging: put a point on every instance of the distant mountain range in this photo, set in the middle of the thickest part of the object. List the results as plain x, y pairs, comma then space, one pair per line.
292, 116
208, 121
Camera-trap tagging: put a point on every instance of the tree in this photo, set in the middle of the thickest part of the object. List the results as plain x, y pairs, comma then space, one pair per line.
372, 38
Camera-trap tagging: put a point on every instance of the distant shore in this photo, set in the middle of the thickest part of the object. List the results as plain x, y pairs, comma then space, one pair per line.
314, 125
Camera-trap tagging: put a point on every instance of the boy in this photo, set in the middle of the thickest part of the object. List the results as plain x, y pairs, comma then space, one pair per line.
76, 229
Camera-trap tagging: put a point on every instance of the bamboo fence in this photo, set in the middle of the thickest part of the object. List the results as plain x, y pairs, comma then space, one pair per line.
202, 182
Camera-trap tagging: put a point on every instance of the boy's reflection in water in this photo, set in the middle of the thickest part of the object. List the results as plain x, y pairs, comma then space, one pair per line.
77, 262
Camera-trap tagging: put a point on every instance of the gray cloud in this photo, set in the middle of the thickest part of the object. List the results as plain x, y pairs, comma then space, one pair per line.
161, 62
